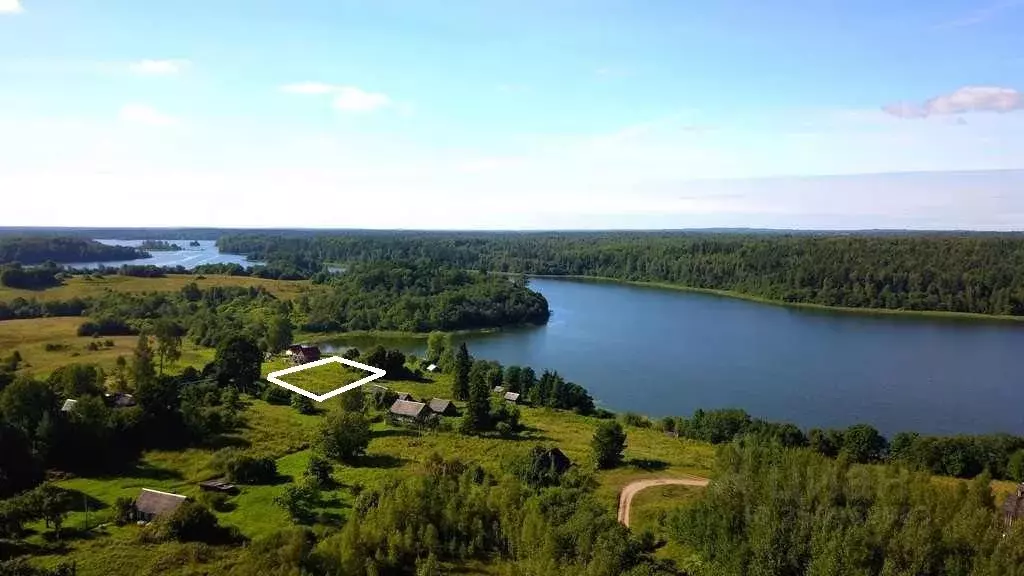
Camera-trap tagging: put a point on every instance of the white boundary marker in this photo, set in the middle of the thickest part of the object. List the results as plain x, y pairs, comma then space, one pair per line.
275, 377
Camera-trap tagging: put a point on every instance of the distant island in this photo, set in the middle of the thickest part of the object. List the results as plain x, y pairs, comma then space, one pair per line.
159, 246
194, 244
63, 250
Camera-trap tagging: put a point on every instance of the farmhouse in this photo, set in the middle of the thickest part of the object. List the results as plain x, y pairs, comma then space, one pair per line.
512, 397
442, 407
1013, 508
301, 354
408, 412
153, 503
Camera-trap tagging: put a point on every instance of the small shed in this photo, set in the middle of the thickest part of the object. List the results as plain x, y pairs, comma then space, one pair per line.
442, 407
1013, 507
432, 368
153, 503
407, 411
512, 397
499, 390
218, 486
69, 405
554, 459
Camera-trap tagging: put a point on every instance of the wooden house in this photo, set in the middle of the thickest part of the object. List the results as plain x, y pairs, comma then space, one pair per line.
442, 407
152, 504
407, 412
301, 354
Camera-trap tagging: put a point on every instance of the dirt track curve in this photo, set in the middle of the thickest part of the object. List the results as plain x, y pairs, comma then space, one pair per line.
630, 490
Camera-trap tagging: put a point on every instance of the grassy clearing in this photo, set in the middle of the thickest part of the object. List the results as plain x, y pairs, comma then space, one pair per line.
30, 338
82, 286
648, 511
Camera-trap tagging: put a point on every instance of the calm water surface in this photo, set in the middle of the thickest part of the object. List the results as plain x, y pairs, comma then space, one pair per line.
663, 352
206, 253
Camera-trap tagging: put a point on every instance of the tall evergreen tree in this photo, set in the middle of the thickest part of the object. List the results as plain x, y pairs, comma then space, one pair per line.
478, 409
463, 364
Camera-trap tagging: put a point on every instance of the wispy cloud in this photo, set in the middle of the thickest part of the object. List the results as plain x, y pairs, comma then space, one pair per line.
982, 15
144, 114
345, 98
159, 67
962, 101
11, 7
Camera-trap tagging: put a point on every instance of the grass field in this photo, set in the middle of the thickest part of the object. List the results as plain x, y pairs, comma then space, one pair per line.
30, 338
82, 286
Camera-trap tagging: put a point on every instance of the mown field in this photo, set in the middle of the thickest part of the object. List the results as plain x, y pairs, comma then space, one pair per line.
82, 286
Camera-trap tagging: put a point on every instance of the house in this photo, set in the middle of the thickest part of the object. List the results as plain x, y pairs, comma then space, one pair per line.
119, 400
218, 486
554, 459
69, 405
499, 390
1013, 508
442, 407
153, 503
405, 396
409, 412
301, 354
432, 368
512, 397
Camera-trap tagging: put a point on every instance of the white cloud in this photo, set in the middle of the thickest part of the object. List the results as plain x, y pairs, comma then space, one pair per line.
962, 101
143, 114
11, 7
158, 67
345, 98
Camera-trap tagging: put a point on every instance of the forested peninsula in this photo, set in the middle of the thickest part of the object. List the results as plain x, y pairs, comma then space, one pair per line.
976, 273
40, 249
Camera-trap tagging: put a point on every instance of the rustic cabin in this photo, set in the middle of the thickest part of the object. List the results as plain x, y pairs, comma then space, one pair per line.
442, 407
153, 503
406, 412
301, 354
1013, 508
512, 397
554, 459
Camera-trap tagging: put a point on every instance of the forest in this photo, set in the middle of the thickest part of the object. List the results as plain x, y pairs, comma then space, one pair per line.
951, 272
39, 249
774, 511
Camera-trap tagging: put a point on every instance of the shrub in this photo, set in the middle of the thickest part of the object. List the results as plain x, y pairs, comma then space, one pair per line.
246, 469
277, 396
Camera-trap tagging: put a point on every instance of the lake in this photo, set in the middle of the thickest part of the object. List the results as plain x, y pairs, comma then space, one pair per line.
663, 352
206, 253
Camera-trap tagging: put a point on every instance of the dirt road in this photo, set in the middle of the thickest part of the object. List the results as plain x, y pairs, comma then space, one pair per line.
630, 490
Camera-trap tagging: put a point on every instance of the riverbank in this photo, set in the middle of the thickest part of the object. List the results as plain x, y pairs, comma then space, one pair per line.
928, 314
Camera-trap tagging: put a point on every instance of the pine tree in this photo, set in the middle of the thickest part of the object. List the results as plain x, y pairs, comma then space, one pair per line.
479, 407
463, 363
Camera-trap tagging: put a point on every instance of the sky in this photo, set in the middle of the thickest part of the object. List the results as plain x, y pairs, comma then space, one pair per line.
526, 114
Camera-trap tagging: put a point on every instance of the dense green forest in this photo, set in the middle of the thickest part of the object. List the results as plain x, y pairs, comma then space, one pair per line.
39, 249
978, 273
774, 511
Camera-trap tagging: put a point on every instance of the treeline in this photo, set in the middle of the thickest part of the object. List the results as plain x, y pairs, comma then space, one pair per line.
961, 456
34, 278
773, 511
418, 297
978, 273
39, 249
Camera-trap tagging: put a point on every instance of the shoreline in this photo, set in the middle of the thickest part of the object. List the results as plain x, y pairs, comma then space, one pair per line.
899, 313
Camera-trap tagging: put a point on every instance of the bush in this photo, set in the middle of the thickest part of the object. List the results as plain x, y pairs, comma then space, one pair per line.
246, 469
608, 444
278, 396
193, 522
635, 420
124, 509
303, 405
343, 435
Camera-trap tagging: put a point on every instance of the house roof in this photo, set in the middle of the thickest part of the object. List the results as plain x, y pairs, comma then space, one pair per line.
69, 405
440, 405
409, 409
513, 396
499, 389
1014, 504
404, 396
557, 459
432, 367
158, 503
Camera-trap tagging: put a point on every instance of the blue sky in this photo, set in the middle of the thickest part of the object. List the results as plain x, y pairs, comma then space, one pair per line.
526, 114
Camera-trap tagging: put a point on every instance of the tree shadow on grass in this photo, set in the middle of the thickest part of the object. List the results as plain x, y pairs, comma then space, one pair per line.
396, 433
226, 441
377, 461
647, 464
80, 501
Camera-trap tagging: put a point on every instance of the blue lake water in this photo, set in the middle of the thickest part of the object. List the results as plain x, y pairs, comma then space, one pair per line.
206, 253
663, 352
